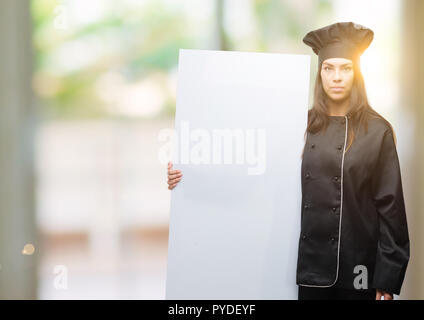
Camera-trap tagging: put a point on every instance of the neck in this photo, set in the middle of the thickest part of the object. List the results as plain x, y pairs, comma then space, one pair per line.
338, 108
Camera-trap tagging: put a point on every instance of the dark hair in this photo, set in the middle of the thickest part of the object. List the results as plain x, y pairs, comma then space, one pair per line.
359, 110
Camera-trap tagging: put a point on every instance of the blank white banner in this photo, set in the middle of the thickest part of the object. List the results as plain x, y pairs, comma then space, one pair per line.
235, 215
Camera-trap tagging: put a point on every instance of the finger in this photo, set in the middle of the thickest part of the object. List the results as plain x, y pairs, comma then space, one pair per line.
173, 171
169, 164
388, 296
172, 181
174, 175
176, 178
172, 186
378, 295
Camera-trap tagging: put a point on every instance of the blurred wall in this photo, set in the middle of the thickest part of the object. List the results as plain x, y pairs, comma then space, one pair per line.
412, 66
17, 223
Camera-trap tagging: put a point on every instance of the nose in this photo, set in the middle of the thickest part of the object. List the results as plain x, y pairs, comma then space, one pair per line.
337, 77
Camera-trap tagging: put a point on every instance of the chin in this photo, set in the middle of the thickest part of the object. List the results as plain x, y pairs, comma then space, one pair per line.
337, 98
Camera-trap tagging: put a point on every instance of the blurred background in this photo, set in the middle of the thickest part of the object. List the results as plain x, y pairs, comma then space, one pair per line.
85, 88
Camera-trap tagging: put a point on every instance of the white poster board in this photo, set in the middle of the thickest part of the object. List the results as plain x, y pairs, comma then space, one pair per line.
235, 217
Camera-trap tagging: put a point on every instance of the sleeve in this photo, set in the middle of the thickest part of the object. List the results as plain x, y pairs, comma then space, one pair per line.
393, 246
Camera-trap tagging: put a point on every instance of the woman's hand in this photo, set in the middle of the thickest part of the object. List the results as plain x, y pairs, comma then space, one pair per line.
174, 176
382, 293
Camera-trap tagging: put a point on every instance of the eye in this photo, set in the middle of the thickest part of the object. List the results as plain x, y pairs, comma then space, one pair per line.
348, 68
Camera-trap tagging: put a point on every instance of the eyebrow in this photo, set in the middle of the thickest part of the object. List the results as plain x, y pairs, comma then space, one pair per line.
345, 64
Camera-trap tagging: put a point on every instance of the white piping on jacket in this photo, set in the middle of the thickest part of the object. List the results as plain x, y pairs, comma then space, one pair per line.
340, 220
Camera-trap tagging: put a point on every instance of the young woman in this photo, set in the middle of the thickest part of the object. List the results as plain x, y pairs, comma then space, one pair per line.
354, 241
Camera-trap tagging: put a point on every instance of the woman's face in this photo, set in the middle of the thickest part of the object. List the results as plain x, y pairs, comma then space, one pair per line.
337, 78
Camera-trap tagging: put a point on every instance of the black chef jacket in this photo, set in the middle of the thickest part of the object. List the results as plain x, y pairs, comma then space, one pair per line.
353, 211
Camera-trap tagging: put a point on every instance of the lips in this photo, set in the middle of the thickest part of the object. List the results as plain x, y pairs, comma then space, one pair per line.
337, 89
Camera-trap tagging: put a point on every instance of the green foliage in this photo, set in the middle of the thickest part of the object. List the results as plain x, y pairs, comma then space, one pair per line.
135, 41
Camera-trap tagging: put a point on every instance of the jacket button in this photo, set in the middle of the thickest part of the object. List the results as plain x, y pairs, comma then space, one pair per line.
306, 206
303, 237
307, 176
334, 209
336, 178
312, 145
339, 147
333, 239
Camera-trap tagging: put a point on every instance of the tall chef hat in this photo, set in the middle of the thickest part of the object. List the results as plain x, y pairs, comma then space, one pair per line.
339, 40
